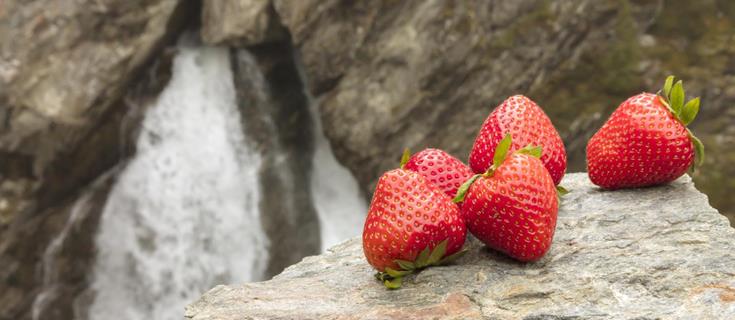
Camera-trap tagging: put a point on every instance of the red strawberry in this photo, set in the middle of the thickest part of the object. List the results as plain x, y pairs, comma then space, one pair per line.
529, 125
512, 207
411, 224
645, 141
441, 168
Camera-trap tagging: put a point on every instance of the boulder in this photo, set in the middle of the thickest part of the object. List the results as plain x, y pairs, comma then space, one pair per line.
659, 252
240, 22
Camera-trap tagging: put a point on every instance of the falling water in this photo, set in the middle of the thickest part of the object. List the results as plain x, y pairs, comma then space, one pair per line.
183, 216
336, 195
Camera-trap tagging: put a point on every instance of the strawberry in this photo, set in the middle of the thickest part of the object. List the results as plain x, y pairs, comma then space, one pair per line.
411, 224
529, 125
645, 141
513, 206
441, 168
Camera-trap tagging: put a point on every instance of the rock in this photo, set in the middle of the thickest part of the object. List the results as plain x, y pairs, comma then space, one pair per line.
276, 118
74, 79
47, 258
426, 73
63, 89
240, 22
649, 253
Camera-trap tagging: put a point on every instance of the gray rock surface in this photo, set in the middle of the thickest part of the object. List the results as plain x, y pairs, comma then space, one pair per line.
650, 253
240, 22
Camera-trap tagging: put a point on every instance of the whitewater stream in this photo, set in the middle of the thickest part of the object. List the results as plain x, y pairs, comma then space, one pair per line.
183, 215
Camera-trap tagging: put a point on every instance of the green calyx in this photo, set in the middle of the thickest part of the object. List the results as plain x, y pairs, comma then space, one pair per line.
392, 279
462, 191
405, 157
672, 96
501, 153
561, 191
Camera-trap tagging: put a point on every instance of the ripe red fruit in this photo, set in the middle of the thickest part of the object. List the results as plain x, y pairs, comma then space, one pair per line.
411, 224
441, 168
645, 141
522, 118
512, 207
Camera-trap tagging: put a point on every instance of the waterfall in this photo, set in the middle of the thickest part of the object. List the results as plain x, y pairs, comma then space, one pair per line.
183, 215
339, 204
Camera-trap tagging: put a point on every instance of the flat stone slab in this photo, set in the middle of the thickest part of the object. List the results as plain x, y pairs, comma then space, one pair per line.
650, 253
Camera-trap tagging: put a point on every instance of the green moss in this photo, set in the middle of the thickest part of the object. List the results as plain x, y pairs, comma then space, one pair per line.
540, 17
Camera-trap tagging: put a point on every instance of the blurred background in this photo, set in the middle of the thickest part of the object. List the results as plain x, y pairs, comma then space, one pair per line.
150, 150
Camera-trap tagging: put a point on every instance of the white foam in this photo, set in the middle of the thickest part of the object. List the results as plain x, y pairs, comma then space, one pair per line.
183, 216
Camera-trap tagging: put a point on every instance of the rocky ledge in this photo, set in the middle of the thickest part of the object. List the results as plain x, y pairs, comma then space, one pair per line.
649, 253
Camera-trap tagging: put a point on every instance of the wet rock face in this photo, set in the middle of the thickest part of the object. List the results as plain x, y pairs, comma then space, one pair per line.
47, 273
395, 74
275, 115
659, 252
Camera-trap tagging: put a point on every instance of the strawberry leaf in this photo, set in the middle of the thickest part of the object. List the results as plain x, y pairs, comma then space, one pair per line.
534, 151
392, 278
396, 273
677, 98
380, 276
501, 151
405, 157
667, 86
462, 191
698, 148
393, 284
438, 252
561, 191
423, 258
690, 111
405, 265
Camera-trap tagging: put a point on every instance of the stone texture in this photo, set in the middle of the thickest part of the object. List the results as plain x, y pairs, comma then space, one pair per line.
75, 78
46, 259
275, 115
63, 68
240, 22
426, 73
648, 253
